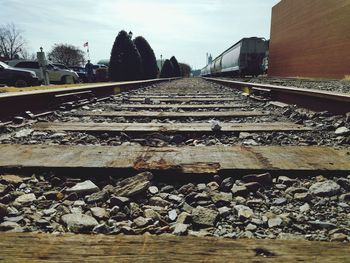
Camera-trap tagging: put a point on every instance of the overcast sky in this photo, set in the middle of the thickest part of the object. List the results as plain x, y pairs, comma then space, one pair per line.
184, 28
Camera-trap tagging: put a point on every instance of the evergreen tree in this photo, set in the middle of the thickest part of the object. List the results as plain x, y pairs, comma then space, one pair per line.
125, 62
177, 71
167, 69
185, 69
149, 62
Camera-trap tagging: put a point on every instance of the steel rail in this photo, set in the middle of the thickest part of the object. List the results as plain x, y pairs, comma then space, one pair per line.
16, 103
318, 100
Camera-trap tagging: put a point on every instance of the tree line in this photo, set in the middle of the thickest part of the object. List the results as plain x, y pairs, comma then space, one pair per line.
135, 60
131, 59
14, 46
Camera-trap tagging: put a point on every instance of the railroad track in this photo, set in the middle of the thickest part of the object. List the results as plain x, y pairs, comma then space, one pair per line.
186, 157
314, 99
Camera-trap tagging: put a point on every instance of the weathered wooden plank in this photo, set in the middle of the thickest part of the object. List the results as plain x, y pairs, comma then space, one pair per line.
179, 106
168, 127
30, 247
182, 160
171, 114
194, 96
188, 93
207, 99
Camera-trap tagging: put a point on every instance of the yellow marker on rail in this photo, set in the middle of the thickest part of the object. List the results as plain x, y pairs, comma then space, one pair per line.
246, 90
116, 90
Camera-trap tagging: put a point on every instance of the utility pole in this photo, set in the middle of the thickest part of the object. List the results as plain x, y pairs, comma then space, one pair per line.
161, 62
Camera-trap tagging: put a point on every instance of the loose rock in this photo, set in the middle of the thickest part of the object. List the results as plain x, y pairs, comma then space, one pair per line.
24, 199
239, 190
3, 211
221, 197
79, 223
172, 214
304, 197
119, 201
204, 216
344, 183
99, 212
100, 196
150, 213
286, 180
244, 212
11, 179
326, 188
134, 185
215, 126
141, 221
263, 179
158, 201
339, 237
280, 201
153, 190
6, 226
321, 224
273, 222
86, 187
304, 208
184, 218
180, 229
342, 131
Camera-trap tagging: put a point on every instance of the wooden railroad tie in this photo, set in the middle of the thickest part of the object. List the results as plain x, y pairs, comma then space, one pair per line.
183, 160
205, 114
168, 127
15, 247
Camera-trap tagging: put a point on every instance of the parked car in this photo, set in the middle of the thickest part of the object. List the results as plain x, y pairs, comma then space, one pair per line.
60, 66
97, 66
81, 72
17, 77
56, 75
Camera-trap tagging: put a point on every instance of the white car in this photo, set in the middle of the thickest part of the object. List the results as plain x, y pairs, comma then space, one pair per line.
56, 75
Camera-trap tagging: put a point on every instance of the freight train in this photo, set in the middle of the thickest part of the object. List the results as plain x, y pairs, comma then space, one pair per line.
242, 59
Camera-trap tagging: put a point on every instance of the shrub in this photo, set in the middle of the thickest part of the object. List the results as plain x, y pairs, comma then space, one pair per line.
177, 71
149, 62
125, 62
185, 69
167, 69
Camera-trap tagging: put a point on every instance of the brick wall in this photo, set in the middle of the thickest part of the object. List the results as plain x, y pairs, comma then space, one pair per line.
310, 38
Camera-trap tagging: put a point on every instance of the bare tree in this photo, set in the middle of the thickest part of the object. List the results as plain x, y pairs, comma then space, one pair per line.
12, 43
67, 54
27, 55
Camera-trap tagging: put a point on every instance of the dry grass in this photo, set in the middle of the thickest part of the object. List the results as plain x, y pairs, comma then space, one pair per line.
313, 79
347, 77
14, 89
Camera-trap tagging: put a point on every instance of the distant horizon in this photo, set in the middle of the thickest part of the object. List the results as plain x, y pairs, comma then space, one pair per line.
197, 27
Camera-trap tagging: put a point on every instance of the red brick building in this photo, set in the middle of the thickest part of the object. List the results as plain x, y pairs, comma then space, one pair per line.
310, 38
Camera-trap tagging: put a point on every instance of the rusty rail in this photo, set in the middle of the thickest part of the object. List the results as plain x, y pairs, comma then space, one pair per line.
16, 103
318, 100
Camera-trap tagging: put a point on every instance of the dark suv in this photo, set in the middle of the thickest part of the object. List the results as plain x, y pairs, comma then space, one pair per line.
17, 77
81, 73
